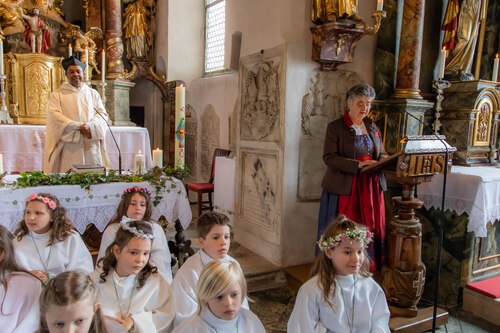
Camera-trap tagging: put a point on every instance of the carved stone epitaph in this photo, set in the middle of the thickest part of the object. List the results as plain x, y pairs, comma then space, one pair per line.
210, 129
191, 140
324, 102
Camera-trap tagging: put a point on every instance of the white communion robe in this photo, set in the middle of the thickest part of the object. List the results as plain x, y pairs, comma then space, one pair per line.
371, 313
184, 285
65, 146
20, 311
244, 322
70, 254
150, 307
160, 254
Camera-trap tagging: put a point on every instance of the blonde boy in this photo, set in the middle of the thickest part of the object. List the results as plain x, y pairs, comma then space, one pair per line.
214, 241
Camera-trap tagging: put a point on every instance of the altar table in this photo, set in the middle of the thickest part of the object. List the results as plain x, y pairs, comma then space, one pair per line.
471, 190
97, 205
22, 146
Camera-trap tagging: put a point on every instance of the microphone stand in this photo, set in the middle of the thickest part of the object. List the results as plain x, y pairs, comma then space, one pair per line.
114, 139
440, 223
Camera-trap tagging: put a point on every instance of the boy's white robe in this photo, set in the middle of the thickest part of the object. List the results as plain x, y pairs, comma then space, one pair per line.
160, 253
151, 306
207, 322
70, 254
184, 285
65, 146
20, 306
371, 313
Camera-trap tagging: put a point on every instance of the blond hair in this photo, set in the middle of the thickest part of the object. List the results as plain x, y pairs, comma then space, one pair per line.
216, 278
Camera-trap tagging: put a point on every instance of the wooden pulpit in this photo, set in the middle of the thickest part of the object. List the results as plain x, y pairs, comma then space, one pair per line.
403, 273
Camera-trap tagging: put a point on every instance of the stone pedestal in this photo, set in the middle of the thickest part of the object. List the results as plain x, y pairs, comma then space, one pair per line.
118, 102
391, 119
470, 118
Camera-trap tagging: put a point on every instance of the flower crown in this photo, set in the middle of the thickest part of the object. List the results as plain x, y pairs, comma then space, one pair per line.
136, 189
124, 224
358, 234
46, 200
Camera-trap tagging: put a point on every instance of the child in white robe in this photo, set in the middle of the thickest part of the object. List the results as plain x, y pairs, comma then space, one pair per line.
19, 292
45, 242
131, 290
70, 302
221, 290
341, 296
136, 205
214, 233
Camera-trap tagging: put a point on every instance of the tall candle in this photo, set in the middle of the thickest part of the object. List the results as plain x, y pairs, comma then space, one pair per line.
380, 4
1, 164
103, 67
180, 118
87, 69
494, 77
139, 163
158, 158
70, 50
442, 62
1, 58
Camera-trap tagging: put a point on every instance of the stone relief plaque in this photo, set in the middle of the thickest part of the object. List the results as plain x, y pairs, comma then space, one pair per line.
232, 127
260, 190
262, 92
323, 103
210, 129
191, 140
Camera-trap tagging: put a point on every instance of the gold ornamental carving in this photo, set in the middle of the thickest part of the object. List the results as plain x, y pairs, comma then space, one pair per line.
482, 126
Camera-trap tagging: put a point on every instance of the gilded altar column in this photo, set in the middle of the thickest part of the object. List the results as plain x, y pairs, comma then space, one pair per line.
114, 44
410, 50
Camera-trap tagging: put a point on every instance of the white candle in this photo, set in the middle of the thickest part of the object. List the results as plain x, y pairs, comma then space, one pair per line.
494, 77
70, 50
1, 58
1, 164
442, 62
158, 158
380, 4
180, 115
103, 67
87, 69
139, 163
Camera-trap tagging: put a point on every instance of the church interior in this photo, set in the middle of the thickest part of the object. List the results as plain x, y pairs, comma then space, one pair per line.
240, 94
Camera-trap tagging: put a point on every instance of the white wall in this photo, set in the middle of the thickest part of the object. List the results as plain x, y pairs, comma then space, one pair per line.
264, 24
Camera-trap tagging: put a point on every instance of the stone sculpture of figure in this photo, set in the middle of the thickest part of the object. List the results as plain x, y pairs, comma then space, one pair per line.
139, 15
36, 34
459, 62
323, 11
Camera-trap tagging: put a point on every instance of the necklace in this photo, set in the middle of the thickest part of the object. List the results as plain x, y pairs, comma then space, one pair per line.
46, 262
129, 301
350, 321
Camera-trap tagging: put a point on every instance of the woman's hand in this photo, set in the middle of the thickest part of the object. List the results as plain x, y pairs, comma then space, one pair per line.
363, 164
41, 275
128, 323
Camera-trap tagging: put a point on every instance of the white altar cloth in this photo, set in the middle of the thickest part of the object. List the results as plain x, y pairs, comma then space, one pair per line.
224, 182
22, 146
471, 190
97, 205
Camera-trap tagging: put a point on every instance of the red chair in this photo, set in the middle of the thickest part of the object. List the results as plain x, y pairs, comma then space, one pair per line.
208, 188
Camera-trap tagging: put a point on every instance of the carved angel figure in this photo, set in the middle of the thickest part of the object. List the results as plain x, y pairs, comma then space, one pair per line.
83, 41
10, 17
138, 20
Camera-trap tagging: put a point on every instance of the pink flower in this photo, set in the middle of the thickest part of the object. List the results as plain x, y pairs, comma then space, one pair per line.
45, 200
344, 239
368, 234
52, 205
33, 196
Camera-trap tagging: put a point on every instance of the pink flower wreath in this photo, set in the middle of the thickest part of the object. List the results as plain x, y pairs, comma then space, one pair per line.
46, 200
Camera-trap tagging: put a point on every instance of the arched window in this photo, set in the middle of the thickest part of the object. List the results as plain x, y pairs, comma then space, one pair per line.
215, 24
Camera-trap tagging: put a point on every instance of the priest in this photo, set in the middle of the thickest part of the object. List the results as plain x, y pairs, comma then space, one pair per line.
76, 123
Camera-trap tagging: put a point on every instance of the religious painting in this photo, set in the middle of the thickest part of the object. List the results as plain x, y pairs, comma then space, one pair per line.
262, 95
323, 103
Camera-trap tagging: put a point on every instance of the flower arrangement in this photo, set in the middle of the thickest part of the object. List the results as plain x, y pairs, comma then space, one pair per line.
361, 235
46, 200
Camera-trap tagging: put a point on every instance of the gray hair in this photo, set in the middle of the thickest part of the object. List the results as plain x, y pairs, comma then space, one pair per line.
360, 90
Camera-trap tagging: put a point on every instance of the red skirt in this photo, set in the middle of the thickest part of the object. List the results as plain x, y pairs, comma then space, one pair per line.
365, 205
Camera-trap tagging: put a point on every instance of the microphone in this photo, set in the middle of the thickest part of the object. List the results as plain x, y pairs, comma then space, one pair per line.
114, 139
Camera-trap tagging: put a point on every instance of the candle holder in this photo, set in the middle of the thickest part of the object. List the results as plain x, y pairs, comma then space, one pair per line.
102, 91
377, 15
439, 85
4, 113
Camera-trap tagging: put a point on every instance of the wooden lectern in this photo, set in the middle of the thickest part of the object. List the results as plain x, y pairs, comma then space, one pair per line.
403, 273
